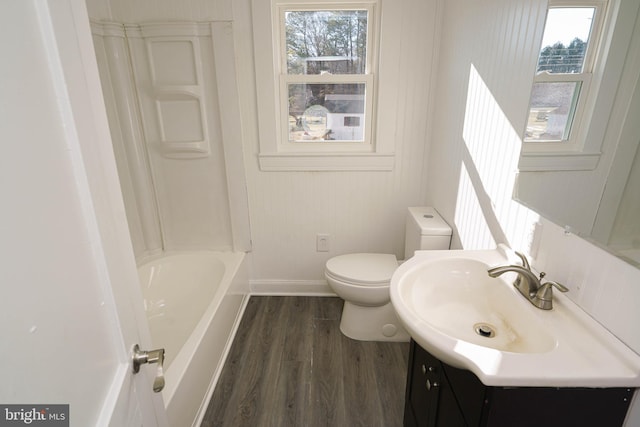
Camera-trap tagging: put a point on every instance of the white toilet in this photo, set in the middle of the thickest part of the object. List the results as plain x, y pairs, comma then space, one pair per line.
362, 279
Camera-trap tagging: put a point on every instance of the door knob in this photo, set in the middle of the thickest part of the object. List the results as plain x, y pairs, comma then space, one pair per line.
141, 357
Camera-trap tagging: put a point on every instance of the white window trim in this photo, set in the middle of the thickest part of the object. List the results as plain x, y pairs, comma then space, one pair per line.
583, 149
276, 153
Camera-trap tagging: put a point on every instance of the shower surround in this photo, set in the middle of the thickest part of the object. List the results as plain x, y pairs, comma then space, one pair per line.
171, 96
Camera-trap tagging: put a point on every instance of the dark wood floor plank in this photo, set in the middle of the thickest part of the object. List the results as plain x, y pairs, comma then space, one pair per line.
246, 391
265, 367
299, 328
226, 393
290, 365
293, 395
327, 386
247, 367
328, 308
390, 363
365, 407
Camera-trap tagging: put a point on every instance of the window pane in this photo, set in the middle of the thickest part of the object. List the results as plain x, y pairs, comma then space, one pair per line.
565, 40
326, 112
551, 111
320, 42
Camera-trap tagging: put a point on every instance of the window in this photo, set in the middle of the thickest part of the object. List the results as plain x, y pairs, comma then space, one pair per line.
324, 62
563, 76
326, 80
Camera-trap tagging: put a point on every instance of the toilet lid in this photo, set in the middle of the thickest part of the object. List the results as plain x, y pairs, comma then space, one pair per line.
363, 268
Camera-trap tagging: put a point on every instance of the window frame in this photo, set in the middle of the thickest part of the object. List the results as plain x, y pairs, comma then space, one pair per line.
580, 151
276, 151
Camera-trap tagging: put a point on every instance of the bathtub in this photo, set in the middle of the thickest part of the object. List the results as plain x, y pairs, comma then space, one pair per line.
194, 302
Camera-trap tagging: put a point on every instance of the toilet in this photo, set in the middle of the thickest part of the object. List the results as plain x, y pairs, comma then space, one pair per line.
362, 279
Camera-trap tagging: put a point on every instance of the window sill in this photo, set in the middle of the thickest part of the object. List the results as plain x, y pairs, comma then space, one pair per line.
326, 162
558, 161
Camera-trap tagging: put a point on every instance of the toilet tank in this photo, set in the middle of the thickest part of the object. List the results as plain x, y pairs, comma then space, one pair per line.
425, 230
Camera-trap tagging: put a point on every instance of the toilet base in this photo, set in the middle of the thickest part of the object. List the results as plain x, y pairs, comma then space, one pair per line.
372, 323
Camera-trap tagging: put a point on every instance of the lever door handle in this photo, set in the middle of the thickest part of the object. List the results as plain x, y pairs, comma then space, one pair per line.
141, 357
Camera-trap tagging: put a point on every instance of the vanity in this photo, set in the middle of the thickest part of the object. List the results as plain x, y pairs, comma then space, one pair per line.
482, 355
440, 395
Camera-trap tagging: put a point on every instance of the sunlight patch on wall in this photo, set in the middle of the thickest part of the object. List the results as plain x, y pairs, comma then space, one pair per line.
473, 230
488, 177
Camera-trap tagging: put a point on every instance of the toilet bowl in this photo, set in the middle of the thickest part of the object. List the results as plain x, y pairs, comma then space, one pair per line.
362, 279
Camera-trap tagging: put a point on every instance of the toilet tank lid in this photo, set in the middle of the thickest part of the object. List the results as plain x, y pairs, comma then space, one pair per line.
363, 267
429, 221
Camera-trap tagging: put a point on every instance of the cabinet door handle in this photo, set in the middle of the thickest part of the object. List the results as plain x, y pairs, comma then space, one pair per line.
431, 385
425, 369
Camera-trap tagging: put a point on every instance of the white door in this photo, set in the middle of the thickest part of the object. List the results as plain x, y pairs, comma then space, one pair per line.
70, 305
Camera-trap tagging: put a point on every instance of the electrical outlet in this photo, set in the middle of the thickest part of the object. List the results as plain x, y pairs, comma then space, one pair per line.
322, 243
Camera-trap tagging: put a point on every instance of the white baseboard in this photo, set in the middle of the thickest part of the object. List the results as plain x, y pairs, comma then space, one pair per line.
290, 287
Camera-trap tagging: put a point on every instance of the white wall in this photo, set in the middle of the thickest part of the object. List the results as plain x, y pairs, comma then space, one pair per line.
484, 78
626, 230
361, 211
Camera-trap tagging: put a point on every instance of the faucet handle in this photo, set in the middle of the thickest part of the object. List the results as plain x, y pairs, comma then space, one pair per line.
544, 296
525, 262
559, 286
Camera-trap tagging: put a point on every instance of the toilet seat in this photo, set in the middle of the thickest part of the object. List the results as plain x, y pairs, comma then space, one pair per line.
363, 269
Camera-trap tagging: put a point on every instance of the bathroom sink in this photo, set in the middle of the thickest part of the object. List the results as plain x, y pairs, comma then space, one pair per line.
457, 297
453, 309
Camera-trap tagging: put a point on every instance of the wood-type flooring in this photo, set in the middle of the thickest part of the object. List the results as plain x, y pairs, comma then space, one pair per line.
290, 365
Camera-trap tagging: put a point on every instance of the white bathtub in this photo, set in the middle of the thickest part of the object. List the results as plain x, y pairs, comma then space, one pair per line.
194, 302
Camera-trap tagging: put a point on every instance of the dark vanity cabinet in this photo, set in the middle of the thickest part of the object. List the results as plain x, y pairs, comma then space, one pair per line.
440, 395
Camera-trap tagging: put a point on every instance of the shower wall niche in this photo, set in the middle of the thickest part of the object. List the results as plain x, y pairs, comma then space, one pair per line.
179, 153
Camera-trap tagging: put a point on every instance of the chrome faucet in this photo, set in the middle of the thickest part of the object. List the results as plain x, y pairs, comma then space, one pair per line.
540, 295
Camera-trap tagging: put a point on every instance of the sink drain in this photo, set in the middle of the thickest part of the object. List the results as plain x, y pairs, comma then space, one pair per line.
484, 330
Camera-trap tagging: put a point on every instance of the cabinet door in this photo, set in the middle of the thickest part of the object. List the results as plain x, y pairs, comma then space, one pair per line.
469, 393
424, 387
431, 400
448, 412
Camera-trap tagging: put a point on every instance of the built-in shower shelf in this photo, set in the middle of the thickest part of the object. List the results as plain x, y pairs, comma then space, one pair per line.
183, 150
173, 70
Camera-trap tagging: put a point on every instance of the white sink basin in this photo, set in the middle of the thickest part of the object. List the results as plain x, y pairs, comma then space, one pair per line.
458, 298
453, 309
